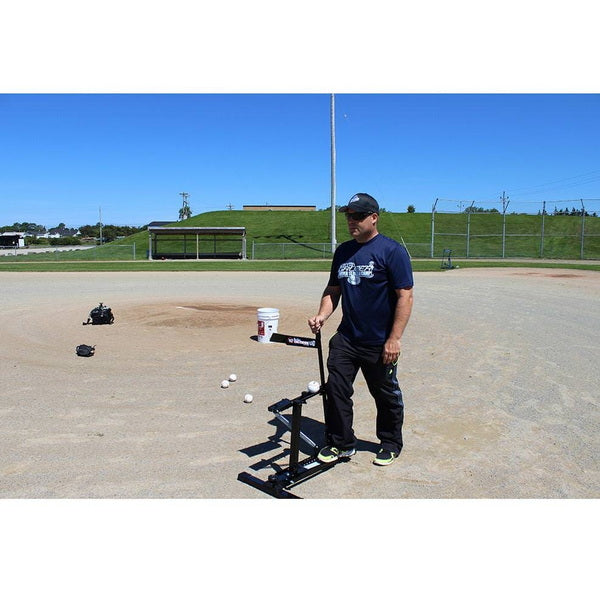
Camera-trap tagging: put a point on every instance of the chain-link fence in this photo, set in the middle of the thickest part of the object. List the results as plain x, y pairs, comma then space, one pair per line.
476, 232
289, 250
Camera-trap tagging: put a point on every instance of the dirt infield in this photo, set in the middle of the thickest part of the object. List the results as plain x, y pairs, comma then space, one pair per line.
499, 373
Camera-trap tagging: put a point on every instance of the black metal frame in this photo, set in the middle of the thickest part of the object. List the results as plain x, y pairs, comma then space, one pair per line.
447, 259
298, 471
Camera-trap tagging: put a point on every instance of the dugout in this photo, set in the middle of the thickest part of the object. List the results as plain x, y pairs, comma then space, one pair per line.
181, 243
12, 239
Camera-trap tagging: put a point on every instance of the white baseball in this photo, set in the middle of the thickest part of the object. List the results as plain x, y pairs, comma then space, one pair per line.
233, 377
314, 386
224, 383
248, 398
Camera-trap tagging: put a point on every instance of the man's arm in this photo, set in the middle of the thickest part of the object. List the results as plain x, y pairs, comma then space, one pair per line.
392, 346
329, 302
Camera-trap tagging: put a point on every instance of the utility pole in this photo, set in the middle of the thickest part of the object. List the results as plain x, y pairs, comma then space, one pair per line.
332, 125
230, 206
184, 211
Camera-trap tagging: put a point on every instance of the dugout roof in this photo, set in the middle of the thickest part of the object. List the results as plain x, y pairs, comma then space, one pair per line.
198, 230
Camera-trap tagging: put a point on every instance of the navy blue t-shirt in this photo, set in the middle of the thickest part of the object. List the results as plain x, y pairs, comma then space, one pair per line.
369, 275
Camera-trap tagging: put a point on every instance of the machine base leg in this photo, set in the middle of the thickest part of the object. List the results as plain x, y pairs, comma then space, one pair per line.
265, 486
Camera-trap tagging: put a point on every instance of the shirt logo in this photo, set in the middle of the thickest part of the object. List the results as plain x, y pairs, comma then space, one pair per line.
353, 273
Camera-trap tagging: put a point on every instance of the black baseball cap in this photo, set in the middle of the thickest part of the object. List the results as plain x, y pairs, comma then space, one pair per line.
361, 203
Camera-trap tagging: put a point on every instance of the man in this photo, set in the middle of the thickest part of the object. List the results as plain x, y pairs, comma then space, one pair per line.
373, 277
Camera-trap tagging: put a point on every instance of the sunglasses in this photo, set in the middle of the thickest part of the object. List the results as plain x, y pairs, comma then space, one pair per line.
357, 216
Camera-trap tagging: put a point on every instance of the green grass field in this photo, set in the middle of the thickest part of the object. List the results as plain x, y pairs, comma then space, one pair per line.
303, 240
419, 265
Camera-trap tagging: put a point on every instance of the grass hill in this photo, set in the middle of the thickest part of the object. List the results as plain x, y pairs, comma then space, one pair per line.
562, 234
302, 228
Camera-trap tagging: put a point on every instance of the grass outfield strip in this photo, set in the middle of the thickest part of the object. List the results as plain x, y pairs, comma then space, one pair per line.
263, 265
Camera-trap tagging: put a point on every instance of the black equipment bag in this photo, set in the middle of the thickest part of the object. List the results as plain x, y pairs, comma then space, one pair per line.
85, 350
101, 315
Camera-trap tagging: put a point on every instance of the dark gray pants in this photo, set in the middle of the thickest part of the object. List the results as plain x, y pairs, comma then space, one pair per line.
343, 363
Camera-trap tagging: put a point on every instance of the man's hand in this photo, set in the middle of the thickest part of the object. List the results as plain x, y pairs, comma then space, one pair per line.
391, 351
392, 348
315, 323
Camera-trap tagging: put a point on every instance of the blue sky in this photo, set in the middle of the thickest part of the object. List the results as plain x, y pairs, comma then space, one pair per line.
64, 157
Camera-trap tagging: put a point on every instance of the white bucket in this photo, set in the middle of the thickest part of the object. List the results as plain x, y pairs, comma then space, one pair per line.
268, 320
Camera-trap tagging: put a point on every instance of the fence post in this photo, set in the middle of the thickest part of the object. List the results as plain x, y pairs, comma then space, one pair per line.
503, 233
543, 224
582, 229
469, 228
433, 225
505, 203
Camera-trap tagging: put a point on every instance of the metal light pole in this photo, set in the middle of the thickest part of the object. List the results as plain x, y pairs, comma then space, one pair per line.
332, 123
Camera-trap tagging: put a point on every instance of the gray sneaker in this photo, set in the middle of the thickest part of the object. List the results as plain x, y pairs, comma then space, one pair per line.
331, 453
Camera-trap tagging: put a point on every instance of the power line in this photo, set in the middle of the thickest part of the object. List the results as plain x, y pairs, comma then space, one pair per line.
574, 181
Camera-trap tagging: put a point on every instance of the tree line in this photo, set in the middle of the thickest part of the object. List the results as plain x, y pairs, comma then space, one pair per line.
109, 232
574, 212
